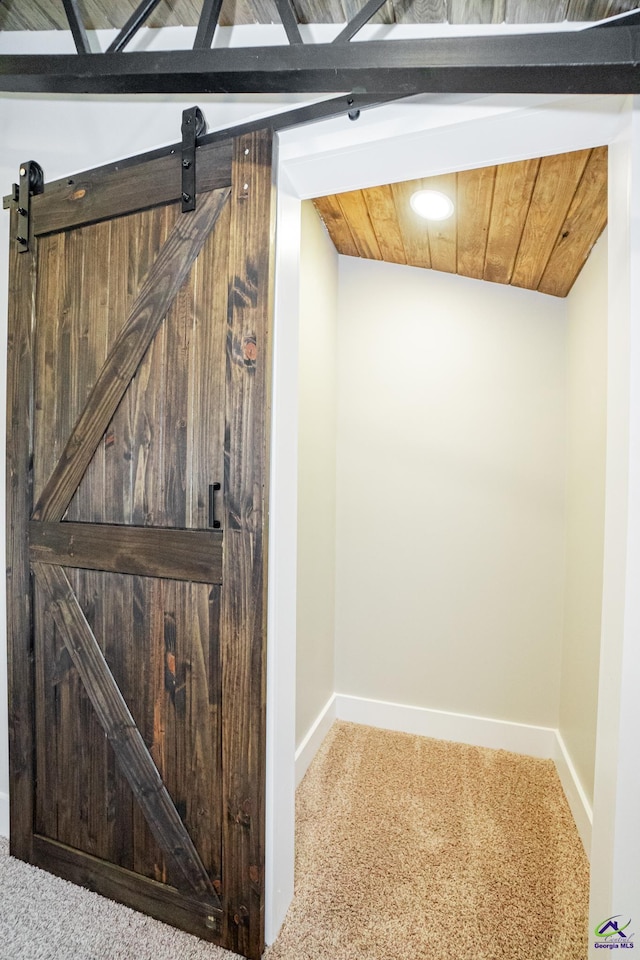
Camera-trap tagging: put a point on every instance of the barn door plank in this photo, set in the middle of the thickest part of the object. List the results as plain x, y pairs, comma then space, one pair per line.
138, 381
157, 293
243, 613
118, 724
19, 483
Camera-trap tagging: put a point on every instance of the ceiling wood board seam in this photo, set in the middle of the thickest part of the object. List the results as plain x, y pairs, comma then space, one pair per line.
486, 236
564, 219
533, 188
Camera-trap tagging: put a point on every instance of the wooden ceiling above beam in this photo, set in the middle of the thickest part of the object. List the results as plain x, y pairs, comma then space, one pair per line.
107, 14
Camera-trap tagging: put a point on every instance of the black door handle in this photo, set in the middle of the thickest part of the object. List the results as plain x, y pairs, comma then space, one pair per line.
212, 505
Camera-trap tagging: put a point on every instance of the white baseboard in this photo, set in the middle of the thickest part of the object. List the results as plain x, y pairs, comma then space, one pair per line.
574, 792
313, 740
4, 814
543, 742
458, 727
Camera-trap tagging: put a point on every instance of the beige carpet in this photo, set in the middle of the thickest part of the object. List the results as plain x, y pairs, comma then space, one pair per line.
45, 918
406, 849
409, 848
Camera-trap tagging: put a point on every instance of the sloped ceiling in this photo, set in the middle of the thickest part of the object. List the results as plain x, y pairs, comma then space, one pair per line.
531, 224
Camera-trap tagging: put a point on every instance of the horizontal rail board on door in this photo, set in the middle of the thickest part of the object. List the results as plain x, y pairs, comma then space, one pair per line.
174, 554
89, 197
117, 883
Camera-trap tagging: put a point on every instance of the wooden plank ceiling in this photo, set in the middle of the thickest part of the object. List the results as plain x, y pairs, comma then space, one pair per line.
102, 14
531, 224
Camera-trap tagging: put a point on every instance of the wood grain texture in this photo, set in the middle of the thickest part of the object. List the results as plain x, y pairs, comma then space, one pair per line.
201, 731
120, 728
420, 11
19, 498
180, 652
597, 9
89, 342
39, 15
171, 13
536, 11
146, 393
585, 221
49, 671
206, 374
154, 299
413, 229
88, 197
155, 899
512, 193
248, 11
95, 12
77, 769
476, 11
156, 678
194, 555
119, 446
474, 202
354, 209
384, 220
500, 230
51, 388
82, 307
98, 14
443, 234
385, 14
319, 11
556, 183
243, 610
334, 220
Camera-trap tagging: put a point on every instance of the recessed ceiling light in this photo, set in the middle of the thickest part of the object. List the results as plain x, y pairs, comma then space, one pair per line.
432, 205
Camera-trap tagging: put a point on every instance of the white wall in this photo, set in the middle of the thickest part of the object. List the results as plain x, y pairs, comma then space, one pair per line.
315, 681
586, 460
451, 460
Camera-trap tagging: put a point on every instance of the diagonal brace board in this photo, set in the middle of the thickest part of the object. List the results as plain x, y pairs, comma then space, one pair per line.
119, 726
158, 291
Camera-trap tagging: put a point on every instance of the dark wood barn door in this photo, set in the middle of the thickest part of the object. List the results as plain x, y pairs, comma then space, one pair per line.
138, 379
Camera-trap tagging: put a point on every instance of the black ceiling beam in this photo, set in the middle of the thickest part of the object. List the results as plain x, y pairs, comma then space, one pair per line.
587, 61
76, 26
142, 12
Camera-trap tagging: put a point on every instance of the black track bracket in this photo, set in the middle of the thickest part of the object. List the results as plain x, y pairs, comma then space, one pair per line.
193, 125
31, 183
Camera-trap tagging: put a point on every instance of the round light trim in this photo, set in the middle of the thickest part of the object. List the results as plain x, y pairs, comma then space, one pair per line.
432, 205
